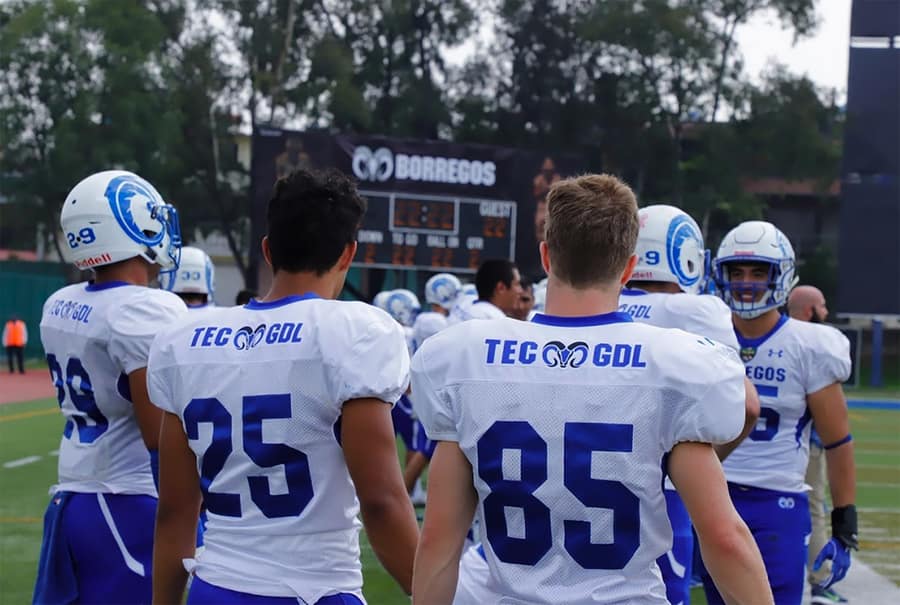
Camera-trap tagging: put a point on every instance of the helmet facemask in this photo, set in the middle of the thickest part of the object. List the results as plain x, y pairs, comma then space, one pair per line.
751, 299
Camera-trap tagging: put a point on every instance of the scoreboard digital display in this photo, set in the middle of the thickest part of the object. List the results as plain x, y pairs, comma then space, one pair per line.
434, 232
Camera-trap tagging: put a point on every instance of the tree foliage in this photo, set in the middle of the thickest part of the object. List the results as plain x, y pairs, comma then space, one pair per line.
652, 90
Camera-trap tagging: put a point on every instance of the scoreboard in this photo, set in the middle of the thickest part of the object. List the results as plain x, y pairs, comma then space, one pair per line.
433, 205
434, 232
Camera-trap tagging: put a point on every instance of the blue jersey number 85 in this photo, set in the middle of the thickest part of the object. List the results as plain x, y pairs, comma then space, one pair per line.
581, 440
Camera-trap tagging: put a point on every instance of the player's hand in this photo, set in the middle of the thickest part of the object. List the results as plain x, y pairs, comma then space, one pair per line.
840, 561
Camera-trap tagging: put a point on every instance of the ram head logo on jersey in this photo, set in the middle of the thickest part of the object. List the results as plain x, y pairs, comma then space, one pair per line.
373, 166
246, 338
556, 354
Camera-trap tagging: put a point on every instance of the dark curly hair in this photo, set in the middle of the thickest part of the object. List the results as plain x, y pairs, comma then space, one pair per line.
312, 216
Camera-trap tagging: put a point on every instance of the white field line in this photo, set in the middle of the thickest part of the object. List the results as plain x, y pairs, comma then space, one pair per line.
21, 462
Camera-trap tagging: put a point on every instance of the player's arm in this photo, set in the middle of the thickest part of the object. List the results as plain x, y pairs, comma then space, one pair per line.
367, 437
829, 412
751, 415
728, 548
149, 417
448, 515
176, 514
413, 470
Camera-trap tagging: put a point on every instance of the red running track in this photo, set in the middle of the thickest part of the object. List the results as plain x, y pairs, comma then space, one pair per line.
33, 384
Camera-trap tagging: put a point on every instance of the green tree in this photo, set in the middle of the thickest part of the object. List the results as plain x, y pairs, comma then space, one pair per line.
729, 15
380, 67
792, 129
77, 96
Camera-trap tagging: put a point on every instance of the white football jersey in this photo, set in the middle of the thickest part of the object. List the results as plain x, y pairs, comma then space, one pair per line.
409, 337
566, 422
427, 324
260, 389
474, 309
94, 337
796, 358
701, 314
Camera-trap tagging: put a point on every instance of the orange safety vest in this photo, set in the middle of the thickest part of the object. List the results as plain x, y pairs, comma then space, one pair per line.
15, 333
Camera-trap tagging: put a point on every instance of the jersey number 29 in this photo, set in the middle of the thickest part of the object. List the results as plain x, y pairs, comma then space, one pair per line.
81, 394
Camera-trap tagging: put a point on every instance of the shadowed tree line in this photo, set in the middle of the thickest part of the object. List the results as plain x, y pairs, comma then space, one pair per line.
654, 91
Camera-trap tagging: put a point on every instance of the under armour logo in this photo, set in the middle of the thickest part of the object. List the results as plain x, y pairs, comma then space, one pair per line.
779, 353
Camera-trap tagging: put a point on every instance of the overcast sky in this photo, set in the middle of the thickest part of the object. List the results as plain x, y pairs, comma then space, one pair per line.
823, 57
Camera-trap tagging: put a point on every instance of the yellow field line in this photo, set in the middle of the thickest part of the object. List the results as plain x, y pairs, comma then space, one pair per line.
20, 519
31, 414
879, 545
857, 417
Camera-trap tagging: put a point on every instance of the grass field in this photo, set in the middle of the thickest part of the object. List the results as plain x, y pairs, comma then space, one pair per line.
30, 432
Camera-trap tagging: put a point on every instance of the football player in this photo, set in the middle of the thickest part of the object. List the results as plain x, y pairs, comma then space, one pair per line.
459, 311
441, 292
498, 285
403, 306
279, 414
798, 369
194, 281
559, 431
98, 529
665, 291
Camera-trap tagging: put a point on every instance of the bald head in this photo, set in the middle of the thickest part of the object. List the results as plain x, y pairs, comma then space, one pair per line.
807, 303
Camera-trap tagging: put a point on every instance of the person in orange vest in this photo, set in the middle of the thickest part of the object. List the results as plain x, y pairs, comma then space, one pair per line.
15, 337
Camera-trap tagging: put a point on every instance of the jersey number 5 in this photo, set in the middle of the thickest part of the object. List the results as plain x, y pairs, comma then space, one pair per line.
517, 491
256, 408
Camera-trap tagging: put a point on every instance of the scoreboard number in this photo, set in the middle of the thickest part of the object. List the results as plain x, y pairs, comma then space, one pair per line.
412, 231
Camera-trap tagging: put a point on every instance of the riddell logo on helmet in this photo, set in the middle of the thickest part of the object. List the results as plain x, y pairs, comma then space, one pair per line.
93, 261
648, 275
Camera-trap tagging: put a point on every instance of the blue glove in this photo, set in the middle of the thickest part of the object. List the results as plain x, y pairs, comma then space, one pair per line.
840, 561
844, 538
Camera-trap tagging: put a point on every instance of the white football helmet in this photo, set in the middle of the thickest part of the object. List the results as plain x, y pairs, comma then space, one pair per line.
442, 289
403, 306
381, 298
756, 242
670, 248
115, 215
196, 274
469, 291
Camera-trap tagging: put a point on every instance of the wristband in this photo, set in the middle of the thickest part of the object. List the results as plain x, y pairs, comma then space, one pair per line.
840, 442
844, 526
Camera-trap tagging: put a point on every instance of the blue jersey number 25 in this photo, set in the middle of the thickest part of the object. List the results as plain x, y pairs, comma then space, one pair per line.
256, 408
581, 440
